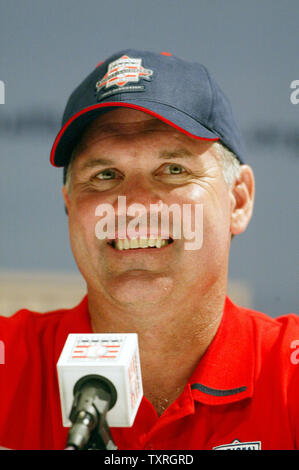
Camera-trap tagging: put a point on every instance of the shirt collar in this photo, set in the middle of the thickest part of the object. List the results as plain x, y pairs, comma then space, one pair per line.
225, 372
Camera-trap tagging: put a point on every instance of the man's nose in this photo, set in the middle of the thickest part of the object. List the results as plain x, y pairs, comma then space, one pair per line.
138, 189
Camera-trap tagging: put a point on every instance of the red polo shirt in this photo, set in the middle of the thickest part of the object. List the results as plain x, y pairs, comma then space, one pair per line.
244, 392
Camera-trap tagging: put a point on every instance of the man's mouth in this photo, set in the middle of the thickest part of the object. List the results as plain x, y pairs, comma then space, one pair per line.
135, 243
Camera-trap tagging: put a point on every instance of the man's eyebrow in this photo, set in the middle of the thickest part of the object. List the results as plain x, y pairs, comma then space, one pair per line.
95, 162
164, 155
177, 153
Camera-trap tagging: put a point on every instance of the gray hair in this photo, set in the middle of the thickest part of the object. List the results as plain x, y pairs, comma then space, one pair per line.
230, 163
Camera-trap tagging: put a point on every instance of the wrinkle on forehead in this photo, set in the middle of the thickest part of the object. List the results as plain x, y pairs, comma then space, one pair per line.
102, 128
107, 129
125, 122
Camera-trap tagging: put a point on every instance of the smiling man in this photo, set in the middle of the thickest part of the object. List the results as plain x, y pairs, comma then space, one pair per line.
158, 132
154, 291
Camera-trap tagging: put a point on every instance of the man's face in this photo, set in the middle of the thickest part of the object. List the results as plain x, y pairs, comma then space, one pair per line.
129, 153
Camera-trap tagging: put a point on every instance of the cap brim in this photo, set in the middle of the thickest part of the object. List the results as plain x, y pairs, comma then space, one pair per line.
75, 126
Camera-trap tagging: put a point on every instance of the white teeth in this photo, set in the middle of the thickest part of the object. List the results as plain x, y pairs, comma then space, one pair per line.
143, 243
151, 242
140, 243
120, 244
134, 243
126, 244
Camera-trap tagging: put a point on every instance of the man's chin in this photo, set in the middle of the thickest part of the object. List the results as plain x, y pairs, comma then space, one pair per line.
140, 288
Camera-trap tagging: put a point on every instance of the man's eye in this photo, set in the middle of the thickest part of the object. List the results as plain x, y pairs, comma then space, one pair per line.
175, 169
108, 174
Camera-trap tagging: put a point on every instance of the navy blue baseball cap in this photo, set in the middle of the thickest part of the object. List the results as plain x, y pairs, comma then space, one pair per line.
183, 94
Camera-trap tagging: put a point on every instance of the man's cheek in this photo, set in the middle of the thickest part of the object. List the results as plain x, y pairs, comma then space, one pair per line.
81, 230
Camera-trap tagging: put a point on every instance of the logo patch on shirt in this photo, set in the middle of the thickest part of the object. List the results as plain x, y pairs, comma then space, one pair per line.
237, 445
120, 72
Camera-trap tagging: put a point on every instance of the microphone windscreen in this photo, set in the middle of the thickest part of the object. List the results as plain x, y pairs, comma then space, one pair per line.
113, 356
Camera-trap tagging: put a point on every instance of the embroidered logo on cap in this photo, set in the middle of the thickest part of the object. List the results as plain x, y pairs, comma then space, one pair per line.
237, 445
120, 72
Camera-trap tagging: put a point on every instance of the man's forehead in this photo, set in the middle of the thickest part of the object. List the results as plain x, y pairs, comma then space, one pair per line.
125, 121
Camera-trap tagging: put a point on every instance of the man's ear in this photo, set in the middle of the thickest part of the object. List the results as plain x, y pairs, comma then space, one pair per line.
242, 195
66, 199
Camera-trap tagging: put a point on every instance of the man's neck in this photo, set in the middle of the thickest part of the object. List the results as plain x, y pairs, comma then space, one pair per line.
165, 337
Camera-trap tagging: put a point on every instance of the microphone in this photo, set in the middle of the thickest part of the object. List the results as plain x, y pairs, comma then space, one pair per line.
94, 395
100, 386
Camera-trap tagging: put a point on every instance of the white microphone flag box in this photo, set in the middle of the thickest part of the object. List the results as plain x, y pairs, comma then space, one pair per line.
114, 356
